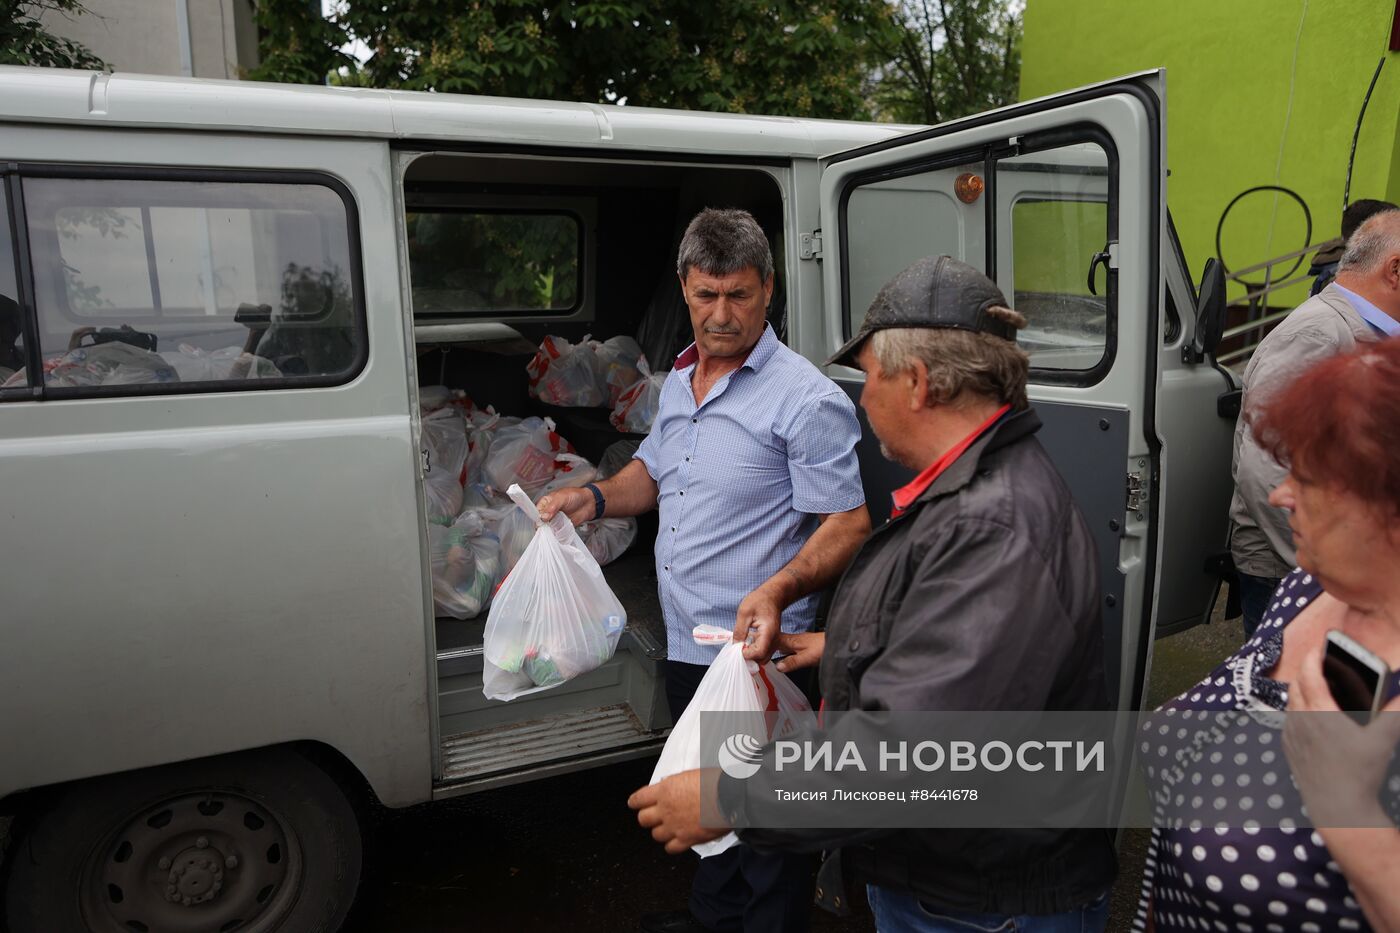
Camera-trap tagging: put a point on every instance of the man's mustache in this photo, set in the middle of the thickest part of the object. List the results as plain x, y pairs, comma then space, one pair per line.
721, 330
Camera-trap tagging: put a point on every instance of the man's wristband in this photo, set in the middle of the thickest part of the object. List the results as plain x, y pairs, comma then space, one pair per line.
598, 500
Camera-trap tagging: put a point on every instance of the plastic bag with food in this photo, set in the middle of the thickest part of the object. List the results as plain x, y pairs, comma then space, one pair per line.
569, 374
466, 565
444, 458
553, 618
636, 408
760, 704
618, 358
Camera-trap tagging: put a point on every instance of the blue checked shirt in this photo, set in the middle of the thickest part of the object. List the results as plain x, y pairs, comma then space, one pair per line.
742, 478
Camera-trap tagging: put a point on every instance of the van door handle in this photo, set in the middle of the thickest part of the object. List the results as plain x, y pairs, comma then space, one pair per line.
1103, 257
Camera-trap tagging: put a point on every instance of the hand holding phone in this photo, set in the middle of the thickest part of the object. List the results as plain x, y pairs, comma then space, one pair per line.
1355, 676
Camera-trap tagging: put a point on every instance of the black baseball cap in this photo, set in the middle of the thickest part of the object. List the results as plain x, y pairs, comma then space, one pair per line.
937, 291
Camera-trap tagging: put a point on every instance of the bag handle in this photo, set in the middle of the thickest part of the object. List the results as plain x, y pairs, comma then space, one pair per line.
522, 499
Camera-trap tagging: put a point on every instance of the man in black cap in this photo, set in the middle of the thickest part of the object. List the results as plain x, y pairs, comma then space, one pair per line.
981, 593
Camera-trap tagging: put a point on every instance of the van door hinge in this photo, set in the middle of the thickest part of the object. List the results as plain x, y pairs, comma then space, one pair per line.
809, 245
1137, 493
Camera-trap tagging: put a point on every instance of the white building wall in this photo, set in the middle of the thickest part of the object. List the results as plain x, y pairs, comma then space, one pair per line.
202, 38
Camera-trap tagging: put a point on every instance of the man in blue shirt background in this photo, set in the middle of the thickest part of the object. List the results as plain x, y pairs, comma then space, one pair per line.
752, 465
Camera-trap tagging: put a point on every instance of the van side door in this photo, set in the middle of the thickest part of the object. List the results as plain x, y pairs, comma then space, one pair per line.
1061, 202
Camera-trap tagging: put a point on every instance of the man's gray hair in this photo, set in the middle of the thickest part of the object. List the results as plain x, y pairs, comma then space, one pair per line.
722, 242
1373, 241
962, 365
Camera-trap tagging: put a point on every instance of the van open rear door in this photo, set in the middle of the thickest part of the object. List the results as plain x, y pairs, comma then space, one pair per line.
1061, 201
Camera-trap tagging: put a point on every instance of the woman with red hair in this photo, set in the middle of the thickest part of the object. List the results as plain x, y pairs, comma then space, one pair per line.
1338, 429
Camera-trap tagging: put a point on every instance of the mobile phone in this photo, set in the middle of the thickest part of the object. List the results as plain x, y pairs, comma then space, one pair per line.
1356, 677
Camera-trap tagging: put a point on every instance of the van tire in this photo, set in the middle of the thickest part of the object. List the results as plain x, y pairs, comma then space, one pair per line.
258, 842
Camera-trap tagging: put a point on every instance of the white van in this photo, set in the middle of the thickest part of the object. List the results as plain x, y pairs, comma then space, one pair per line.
217, 623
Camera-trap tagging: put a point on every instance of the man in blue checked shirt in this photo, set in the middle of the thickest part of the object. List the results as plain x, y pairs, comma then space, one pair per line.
752, 464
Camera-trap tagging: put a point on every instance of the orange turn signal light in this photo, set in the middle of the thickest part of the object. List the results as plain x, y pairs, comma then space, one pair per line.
968, 187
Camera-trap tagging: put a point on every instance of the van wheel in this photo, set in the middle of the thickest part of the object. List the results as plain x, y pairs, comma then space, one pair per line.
255, 843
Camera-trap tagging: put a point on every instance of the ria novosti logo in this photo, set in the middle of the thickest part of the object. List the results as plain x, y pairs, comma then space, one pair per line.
740, 755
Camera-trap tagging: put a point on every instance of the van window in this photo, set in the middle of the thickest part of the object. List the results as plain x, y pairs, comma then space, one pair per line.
1059, 222
206, 282
496, 262
11, 321
1055, 240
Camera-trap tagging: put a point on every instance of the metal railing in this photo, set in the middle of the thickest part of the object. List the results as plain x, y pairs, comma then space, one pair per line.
1255, 299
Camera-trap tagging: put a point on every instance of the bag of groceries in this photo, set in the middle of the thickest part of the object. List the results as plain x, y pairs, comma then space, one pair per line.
617, 359
636, 408
445, 450
607, 539
524, 453
553, 618
760, 704
466, 562
563, 373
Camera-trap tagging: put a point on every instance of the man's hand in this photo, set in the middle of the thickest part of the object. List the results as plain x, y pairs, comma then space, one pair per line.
671, 809
574, 502
759, 618
1338, 764
803, 649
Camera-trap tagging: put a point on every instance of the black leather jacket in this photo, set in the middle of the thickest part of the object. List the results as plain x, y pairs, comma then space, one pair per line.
984, 595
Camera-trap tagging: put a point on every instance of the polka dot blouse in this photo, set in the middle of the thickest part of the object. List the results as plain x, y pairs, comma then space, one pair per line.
1238, 874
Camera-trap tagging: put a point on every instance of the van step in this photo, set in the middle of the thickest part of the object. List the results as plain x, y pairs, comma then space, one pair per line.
526, 745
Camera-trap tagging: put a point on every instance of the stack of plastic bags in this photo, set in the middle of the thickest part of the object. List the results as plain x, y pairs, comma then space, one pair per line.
553, 618
587, 374
476, 534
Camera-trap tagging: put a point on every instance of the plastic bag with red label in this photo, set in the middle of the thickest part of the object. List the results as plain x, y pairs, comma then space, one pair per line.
618, 358
759, 704
524, 453
553, 618
568, 374
636, 408
445, 449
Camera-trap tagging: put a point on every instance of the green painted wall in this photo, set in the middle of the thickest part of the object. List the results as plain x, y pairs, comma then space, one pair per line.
1231, 73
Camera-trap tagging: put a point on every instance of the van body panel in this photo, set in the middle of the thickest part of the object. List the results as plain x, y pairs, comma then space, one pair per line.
193, 574
156, 102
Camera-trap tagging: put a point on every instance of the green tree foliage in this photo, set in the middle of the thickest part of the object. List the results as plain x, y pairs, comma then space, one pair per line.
24, 40
787, 56
950, 58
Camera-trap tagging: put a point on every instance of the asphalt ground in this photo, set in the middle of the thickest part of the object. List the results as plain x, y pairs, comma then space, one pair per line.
566, 854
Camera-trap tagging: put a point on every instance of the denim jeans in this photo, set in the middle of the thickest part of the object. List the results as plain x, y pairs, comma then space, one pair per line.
896, 912
1255, 593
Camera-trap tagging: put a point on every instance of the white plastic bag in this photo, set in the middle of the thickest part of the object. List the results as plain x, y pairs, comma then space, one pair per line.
553, 618
636, 408
570, 470
564, 373
445, 450
608, 539
618, 358
762, 703
105, 364
466, 563
524, 453
196, 365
